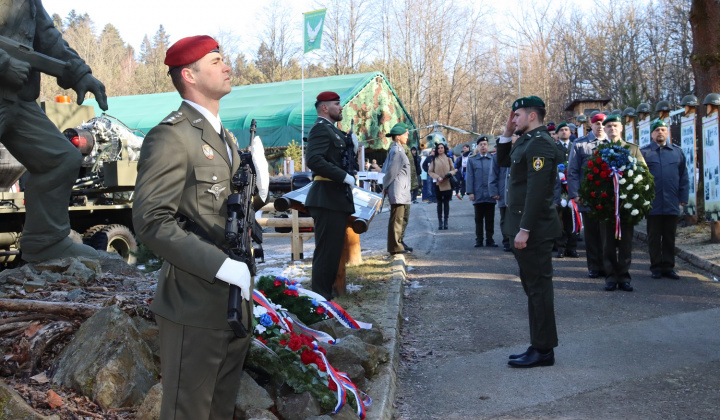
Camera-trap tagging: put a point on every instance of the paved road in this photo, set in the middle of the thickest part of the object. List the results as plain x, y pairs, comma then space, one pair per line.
652, 353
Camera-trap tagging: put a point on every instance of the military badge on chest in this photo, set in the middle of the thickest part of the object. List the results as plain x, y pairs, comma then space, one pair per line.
215, 190
208, 151
538, 163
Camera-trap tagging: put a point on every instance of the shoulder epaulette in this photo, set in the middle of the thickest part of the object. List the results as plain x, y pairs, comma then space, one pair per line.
174, 118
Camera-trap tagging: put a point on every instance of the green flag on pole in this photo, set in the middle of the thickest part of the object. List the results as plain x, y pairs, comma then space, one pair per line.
314, 22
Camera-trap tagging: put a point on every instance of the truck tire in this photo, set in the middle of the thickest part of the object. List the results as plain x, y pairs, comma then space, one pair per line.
115, 238
75, 236
91, 232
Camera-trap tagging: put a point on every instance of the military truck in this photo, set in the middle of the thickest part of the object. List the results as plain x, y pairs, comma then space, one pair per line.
100, 206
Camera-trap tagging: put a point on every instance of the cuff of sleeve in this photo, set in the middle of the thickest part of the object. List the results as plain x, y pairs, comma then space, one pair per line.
524, 230
504, 139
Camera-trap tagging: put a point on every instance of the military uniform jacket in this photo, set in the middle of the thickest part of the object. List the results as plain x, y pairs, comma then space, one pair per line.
326, 144
498, 179
533, 161
667, 164
184, 168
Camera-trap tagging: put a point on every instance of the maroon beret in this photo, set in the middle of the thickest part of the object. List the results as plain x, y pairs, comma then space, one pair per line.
597, 117
189, 50
328, 96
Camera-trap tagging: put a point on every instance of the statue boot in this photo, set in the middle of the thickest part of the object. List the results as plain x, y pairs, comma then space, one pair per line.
63, 249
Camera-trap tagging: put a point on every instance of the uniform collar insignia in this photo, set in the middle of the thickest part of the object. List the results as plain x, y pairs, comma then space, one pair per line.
208, 151
197, 121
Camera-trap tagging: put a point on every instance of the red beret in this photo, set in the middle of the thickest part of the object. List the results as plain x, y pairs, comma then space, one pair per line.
189, 50
597, 117
328, 96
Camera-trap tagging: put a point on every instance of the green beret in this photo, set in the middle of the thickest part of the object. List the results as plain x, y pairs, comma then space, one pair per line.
397, 129
559, 126
528, 102
612, 118
656, 124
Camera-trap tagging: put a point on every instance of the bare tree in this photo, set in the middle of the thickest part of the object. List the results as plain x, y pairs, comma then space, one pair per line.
348, 35
279, 48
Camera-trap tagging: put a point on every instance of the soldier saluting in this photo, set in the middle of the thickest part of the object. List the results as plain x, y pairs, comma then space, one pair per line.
329, 200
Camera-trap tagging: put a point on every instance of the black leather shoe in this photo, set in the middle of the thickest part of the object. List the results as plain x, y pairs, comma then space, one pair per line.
656, 274
559, 254
407, 248
571, 254
533, 358
519, 355
611, 285
478, 244
491, 244
671, 275
404, 251
506, 248
593, 274
625, 287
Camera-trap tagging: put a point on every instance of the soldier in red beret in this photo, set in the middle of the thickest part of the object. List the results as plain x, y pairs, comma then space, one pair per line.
185, 168
328, 200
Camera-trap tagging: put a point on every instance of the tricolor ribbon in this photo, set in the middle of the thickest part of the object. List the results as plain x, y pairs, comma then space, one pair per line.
576, 217
616, 187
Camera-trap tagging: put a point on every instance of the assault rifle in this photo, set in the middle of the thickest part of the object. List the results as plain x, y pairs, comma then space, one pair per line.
37, 61
241, 230
349, 159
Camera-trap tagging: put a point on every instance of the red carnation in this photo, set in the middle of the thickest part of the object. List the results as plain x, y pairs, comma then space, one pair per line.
320, 310
322, 350
590, 163
598, 160
603, 174
599, 207
262, 340
295, 343
274, 317
263, 293
307, 357
603, 195
283, 342
277, 283
597, 183
604, 166
592, 193
320, 364
332, 386
590, 177
596, 170
307, 340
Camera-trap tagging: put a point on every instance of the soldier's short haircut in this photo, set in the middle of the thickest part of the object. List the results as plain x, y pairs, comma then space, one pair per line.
176, 76
540, 112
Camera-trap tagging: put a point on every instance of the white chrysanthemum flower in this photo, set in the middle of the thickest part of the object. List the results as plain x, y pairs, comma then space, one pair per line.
634, 212
630, 172
645, 204
622, 180
630, 187
259, 328
636, 196
259, 311
623, 196
647, 187
627, 205
638, 178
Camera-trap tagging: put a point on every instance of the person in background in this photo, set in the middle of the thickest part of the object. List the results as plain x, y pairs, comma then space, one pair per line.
496, 185
396, 185
666, 163
440, 170
418, 171
429, 183
461, 167
479, 167
566, 244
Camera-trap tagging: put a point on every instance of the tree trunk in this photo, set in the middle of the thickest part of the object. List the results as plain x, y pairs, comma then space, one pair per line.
705, 59
70, 310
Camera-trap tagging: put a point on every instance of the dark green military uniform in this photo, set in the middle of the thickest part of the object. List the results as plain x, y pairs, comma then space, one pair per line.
184, 168
533, 161
328, 202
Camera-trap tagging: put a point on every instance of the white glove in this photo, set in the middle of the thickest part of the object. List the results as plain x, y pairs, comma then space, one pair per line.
261, 167
350, 180
563, 202
236, 273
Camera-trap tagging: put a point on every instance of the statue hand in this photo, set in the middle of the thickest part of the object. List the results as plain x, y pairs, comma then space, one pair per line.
16, 73
90, 84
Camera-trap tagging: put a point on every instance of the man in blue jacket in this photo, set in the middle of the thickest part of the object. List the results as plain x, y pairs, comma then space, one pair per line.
667, 164
479, 166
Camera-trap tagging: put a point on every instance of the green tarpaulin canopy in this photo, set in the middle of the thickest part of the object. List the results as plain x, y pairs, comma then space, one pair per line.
367, 98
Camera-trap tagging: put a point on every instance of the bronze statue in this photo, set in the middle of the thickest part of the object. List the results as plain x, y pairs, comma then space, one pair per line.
29, 45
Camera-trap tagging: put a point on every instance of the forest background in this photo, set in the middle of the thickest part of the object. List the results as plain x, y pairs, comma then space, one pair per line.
450, 62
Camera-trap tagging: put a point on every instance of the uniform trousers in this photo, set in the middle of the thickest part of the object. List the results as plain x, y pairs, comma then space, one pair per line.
567, 240
406, 220
593, 242
506, 239
484, 215
201, 371
661, 231
329, 243
617, 253
395, 228
53, 163
536, 270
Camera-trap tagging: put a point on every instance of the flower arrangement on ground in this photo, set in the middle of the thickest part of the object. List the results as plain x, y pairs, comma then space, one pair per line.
282, 311
616, 186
